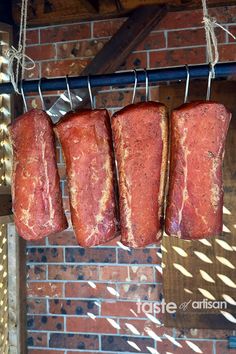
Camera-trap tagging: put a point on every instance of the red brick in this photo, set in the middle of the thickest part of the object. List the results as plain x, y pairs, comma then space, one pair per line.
166, 345
140, 274
124, 273
72, 272
155, 40
107, 28
45, 351
140, 291
154, 93
63, 67
227, 52
118, 98
62, 171
224, 14
232, 29
63, 238
66, 190
89, 325
121, 309
36, 272
33, 73
73, 341
135, 61
113, 273
38, 289
41, 52
80, 49
36, 339
36, 306
142, 326
185, 38
138, 256
203, 333
178, 57
73, 307
87, 352
66, 206
45, 323
121, 344
32, 36
84, 290
65, 33
90, 255
34, 102
44, 255
181, 19
222, 348
58, 154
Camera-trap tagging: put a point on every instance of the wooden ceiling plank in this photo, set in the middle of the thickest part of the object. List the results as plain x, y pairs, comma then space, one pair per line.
60, 11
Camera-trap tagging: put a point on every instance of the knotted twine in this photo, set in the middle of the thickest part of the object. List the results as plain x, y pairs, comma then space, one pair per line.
211, 41
18, 55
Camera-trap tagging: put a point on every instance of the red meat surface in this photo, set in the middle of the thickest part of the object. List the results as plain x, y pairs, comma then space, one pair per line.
87, 147
140, 136
37, 200
195, 198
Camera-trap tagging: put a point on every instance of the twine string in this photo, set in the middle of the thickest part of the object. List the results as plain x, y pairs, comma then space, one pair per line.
211, 40
23, 61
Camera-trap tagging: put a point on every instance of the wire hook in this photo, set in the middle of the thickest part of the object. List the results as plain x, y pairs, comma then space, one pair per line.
90, 93
135, 85
187, 84
210, 76
146, 85
40, 94
23, 96
68, 91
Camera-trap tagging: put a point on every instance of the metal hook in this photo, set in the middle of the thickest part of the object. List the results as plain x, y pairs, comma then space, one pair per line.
210, 75
90, 93
23, 96
187, 84
146, 85
40, 94
135, 84
68, 91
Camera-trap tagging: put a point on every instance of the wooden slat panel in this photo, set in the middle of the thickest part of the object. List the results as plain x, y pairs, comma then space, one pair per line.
174, 281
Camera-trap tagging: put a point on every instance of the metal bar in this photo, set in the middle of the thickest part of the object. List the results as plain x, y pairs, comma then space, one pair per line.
124, 78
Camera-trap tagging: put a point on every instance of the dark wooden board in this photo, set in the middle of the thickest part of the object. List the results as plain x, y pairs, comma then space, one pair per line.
178, 287
50, 12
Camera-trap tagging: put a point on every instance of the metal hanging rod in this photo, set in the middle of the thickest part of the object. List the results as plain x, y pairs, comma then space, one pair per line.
124, 78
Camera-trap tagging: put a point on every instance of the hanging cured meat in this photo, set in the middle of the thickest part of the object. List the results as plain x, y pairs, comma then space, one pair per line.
87, 147
140, 137
195, 199
37, 201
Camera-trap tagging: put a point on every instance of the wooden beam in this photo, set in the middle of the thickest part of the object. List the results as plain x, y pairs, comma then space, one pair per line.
126, 39
114, 53
94, 4
84, 10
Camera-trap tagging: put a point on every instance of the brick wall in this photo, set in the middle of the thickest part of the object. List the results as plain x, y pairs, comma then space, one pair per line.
73, 301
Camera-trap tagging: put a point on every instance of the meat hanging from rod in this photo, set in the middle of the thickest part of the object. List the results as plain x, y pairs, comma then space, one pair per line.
36, 193
195, 197
86, 142
140, 133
